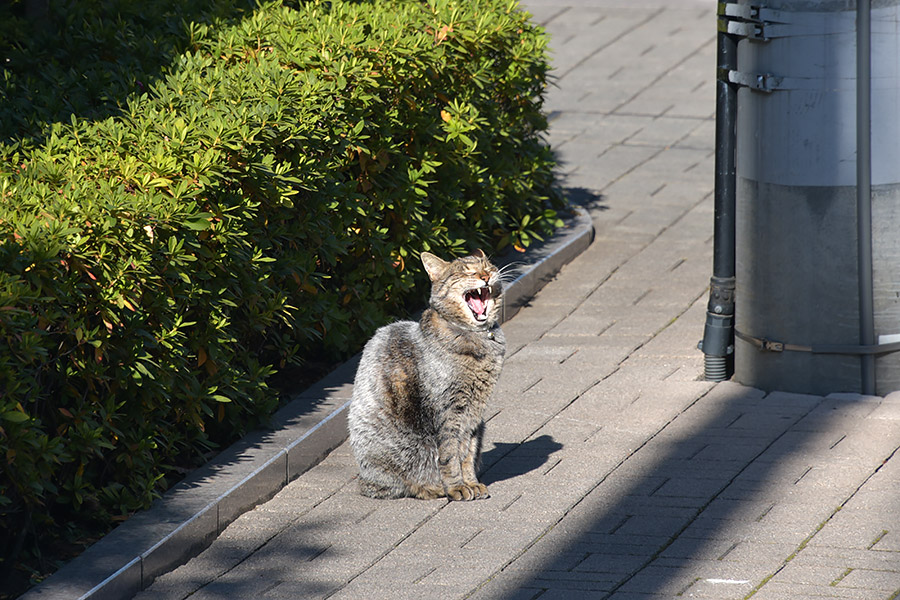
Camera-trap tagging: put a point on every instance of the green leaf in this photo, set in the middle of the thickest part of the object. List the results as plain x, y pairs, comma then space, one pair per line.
15, 417
200, 224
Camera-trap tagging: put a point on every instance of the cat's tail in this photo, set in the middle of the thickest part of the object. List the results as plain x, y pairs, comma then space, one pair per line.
374, 489
377, 490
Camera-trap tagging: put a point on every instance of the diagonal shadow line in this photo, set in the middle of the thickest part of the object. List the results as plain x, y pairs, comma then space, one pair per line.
720, 430
633, 543
726, 416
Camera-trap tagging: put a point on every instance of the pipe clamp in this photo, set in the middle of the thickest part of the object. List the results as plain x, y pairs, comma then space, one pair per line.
766, 345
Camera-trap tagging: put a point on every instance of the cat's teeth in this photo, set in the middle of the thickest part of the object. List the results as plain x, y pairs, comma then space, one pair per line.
477, 301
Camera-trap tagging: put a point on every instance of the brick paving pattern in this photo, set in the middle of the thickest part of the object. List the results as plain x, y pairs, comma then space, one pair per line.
614, 470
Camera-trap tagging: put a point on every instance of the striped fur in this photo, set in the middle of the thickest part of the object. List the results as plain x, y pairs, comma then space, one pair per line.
417, 416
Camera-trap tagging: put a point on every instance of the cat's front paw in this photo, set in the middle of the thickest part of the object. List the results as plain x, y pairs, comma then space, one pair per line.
468, 491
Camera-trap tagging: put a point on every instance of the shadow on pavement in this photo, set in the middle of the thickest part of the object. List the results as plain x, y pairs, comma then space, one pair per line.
518, 459
589, 199
718, 467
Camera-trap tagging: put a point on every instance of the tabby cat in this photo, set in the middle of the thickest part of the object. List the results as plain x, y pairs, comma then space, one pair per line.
417, 416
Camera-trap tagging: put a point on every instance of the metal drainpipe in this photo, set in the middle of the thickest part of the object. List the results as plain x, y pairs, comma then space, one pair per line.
718, 333
864, 190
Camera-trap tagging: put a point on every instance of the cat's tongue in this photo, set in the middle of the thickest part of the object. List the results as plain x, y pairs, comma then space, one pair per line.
477, 301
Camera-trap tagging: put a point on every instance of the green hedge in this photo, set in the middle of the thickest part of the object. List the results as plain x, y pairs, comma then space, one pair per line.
261, 202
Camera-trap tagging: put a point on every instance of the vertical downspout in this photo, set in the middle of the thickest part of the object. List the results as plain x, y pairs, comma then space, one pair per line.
718, 333
864, 191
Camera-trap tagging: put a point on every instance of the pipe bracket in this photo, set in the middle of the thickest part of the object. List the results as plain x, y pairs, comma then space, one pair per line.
761, 82
742, 20
766, 345
760, 23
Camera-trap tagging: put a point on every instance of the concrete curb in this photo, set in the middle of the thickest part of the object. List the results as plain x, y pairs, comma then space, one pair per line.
191, 515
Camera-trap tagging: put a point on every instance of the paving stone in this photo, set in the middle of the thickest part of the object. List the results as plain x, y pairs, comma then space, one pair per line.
309, 587
721, 588
889, 408
728, 550
806, 574
775, 590
508, 585
509, 429
853, 530
657, 579
858, 558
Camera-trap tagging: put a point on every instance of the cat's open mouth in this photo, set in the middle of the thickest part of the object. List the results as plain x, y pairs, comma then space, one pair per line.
477, 300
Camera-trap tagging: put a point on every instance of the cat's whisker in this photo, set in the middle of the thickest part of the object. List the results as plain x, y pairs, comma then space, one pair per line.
509, 272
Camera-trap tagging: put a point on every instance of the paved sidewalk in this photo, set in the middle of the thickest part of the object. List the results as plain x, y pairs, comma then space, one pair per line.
614, 470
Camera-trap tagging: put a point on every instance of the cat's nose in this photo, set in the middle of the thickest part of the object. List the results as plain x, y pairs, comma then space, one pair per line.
485, 276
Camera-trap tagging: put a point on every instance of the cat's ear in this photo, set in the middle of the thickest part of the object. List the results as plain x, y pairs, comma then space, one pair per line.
479, 253
434, 265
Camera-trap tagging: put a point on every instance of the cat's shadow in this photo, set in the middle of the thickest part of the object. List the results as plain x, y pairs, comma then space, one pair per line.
505, 461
